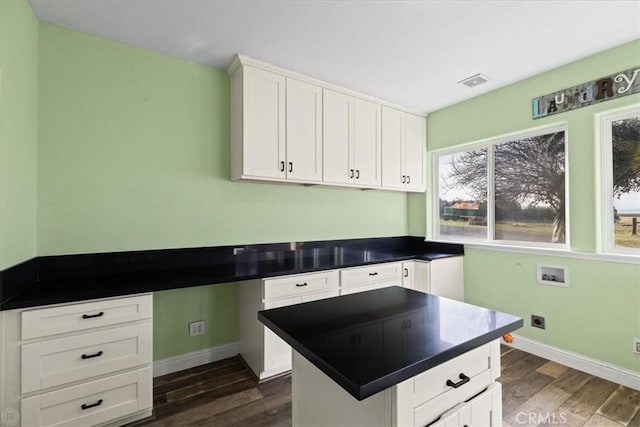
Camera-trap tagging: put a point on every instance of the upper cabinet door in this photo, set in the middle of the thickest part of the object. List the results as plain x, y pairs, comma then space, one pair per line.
367, 143
264, 124
338, 135
393, 175
304, 131
415, 152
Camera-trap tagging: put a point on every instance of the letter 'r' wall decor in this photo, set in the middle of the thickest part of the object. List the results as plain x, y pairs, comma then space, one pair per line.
599, 90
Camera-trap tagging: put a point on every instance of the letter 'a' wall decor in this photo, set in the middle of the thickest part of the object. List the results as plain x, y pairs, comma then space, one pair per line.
599, 90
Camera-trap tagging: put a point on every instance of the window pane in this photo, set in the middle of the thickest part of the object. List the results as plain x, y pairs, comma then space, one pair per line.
530, 190
463, 194
625, 138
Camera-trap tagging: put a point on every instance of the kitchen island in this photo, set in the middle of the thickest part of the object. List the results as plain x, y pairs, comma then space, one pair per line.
393, 357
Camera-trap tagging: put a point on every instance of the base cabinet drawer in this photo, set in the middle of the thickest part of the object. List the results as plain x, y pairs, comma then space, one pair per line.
60, 361
91, 403
79, 317
373, 274
483, 410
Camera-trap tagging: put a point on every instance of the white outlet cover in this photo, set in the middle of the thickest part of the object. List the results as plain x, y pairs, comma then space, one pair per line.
196, 328
636, 346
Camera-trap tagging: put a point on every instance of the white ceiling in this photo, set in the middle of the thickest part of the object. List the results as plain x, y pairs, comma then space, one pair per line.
408, 52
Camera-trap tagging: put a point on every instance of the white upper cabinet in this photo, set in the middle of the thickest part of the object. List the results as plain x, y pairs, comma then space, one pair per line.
352, 140
287, 127
403, 150
304, 131
366, 143
263, 150
338, 136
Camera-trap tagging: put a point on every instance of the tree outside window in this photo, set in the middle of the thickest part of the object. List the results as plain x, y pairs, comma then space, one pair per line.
506, 191
622, 181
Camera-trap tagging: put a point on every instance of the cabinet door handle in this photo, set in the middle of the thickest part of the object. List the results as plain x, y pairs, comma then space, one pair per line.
300, 285
91, 356
408, 179
91, 405
404, 179
91, 316
463, 380
357, 173
350, 173
290, 166
282, 166
375, 273
406, 272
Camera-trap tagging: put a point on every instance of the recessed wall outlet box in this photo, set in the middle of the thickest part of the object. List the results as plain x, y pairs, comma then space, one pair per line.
196, 328
554, 275
636, 345
537, 321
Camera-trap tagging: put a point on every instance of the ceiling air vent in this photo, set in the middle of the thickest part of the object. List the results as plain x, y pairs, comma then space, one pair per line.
475, 80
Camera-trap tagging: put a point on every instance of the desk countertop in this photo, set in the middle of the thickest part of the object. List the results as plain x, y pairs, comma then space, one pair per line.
69, 278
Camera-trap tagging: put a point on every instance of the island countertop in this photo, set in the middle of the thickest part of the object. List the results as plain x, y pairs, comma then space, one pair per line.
369, 341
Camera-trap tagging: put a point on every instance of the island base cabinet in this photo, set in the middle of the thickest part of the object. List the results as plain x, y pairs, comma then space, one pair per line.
424, 400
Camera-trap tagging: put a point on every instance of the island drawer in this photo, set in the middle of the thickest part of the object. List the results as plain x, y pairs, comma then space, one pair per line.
379, 273
481, 366
91, 403
300, 284
485, 409
78, 317
60, 361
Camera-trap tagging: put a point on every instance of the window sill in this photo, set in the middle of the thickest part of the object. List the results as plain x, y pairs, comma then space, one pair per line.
564, 253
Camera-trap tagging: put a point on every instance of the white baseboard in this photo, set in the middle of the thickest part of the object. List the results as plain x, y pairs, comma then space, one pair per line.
195, 358
595, 367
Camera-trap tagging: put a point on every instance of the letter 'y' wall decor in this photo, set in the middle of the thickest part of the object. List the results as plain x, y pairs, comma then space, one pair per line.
599, 90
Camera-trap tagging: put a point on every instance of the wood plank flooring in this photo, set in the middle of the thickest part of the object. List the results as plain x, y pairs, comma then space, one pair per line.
536, 392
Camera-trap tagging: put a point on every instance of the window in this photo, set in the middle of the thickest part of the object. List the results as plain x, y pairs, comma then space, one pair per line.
508, 190
621, 181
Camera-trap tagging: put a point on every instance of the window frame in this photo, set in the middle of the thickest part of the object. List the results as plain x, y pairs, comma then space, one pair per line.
489, 144
607, 227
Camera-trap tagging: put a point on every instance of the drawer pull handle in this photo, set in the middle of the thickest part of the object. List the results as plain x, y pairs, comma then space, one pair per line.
463, 380
373, 274
92, 405
91, 356
91, 316
299, 285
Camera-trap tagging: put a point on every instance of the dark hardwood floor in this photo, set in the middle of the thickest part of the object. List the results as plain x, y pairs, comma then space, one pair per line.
535, 392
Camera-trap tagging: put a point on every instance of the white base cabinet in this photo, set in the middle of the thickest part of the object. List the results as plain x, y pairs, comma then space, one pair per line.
423, 400
78, 364
443, 277
263, 351
267, 355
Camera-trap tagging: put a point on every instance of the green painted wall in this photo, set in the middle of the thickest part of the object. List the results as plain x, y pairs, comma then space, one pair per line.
18, 131
600, 313
135, 154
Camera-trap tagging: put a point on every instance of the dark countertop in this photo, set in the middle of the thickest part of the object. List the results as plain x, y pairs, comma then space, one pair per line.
369, 341
68, 278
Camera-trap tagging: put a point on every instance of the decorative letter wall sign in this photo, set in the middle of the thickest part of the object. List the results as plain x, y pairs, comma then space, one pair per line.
603, 89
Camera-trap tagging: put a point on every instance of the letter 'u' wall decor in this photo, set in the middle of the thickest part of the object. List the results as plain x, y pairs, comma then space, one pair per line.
603, 89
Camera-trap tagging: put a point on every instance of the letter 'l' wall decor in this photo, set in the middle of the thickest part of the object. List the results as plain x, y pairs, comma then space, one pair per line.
599, 90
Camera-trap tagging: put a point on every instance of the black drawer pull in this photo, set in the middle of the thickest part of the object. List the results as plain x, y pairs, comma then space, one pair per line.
92, 405
281, 166
91, 356
90, 316
373, 274
299, 285
463, 380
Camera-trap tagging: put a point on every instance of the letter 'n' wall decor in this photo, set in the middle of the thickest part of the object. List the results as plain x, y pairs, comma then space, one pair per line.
599, 90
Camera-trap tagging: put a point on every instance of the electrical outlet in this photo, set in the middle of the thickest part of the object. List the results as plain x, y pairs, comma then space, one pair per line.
196, 328
636, 345
537, 321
